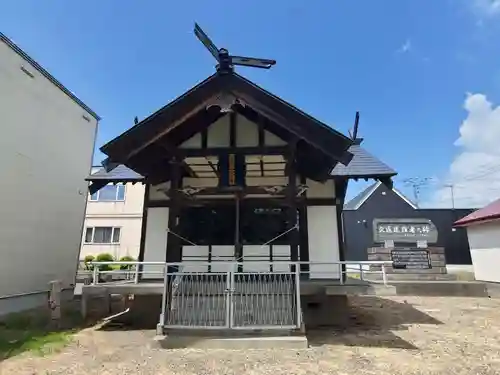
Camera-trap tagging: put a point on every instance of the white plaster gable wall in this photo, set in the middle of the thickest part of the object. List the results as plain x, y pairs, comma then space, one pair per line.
155, 247
323, 241
247, 135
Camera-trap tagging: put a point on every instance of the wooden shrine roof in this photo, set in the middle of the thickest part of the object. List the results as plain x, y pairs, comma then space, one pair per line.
147, 147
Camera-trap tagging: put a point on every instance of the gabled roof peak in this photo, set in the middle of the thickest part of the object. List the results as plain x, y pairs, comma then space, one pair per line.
362, 197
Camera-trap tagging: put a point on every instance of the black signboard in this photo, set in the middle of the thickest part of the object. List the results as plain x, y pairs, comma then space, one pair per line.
232, 170
410, 258
404, 230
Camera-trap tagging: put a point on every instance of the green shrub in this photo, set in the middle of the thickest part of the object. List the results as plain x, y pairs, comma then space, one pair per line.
88, 259
126, 258
105, 257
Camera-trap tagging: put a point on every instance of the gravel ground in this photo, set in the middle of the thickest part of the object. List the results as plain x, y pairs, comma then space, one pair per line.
397, 335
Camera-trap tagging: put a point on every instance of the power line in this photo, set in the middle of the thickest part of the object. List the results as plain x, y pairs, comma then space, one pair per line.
416, 183
483, 175
480, 172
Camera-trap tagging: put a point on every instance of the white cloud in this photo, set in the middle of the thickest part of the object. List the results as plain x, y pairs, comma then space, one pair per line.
486, 8
405, 47
475, 171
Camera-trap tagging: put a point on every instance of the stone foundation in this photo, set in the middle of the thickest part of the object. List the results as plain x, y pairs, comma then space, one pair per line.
436, 254
144, 311
325, 310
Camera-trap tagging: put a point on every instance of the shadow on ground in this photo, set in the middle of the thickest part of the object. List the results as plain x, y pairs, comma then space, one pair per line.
35, 332
372, 321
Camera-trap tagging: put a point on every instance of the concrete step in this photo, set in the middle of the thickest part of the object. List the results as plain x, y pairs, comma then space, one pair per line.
418, 288
413, 277
493, 290
441, 288
366, 290
179, 341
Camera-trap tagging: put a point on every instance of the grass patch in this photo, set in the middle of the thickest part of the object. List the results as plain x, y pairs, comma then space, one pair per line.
39, 342
33, 332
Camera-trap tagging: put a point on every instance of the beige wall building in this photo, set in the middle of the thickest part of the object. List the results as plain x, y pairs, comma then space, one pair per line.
45, 154
113, 221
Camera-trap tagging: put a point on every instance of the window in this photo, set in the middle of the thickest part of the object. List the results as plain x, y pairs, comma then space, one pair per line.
261, 225
208, 225
102, 235
109, 193
217, 225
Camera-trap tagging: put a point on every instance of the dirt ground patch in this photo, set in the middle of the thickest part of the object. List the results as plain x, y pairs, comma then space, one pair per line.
397, 335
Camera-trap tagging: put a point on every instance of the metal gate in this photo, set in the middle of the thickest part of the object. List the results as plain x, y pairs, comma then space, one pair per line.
232, 300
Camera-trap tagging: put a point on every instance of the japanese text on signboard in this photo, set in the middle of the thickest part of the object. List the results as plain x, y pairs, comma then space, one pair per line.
404, 230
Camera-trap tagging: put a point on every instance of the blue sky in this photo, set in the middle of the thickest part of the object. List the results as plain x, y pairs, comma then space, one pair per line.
405, 65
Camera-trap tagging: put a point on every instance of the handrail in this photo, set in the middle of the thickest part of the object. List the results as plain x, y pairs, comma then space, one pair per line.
351, 267
119, 263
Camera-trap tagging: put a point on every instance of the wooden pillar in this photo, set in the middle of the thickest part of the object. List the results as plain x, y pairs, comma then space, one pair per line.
174, 246
144, 224
340, 192
303, 232
291, 195
238, 247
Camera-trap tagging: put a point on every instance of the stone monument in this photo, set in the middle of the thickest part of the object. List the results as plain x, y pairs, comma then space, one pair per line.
405, 243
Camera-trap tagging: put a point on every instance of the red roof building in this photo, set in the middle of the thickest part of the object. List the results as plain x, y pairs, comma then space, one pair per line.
486, 214
483, 233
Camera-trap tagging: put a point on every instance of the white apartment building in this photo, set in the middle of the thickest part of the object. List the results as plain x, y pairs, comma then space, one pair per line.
46, 151
113, 221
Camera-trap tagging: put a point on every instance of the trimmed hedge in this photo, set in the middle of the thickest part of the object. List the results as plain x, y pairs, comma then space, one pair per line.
104, 257
88, 259
126, 258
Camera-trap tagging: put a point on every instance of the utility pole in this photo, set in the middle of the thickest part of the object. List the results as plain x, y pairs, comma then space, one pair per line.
416, 183
451, 186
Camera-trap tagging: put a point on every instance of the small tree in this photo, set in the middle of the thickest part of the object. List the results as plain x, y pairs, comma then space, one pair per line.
105, 257
87, 260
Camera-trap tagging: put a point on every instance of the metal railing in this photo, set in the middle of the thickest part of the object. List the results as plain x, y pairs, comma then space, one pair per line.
264, 296
232, 299
155, 271
196, 300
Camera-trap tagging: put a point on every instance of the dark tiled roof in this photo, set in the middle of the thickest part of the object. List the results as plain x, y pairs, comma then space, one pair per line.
488, 213
46, 74
363, 164
166, 121
120, 173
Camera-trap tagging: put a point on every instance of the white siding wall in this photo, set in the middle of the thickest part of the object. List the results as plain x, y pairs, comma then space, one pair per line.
130, 237
192, 256
127, 215
45, 155
484, 243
